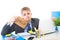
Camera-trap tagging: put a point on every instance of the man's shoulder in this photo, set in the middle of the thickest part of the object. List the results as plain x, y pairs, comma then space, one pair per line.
35, 19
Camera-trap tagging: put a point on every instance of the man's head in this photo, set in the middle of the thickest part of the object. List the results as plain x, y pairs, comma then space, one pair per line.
26, 13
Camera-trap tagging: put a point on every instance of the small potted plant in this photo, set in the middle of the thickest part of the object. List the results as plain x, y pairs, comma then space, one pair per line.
57, 23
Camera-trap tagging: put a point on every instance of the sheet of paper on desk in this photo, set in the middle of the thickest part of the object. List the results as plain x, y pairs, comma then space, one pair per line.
25, 35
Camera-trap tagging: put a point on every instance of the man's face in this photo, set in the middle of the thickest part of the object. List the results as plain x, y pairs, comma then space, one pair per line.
26, 15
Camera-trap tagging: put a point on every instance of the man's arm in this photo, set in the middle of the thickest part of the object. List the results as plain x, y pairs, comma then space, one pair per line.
7, 29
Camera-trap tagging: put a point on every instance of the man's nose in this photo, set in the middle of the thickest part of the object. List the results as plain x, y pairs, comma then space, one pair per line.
26, 15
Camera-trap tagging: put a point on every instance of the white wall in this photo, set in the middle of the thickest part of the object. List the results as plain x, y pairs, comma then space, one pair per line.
40, 9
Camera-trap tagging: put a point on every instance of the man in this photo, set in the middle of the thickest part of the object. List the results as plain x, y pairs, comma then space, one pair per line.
11, 26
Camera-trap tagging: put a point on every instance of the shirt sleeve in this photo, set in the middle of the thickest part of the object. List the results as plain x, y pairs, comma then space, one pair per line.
7, 29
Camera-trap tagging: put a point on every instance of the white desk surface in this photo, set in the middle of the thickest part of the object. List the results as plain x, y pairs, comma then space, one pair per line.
54, 36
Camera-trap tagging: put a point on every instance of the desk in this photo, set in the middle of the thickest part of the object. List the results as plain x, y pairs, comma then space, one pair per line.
53, 36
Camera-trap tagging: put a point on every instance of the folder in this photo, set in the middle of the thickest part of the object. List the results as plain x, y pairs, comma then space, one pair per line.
21, 22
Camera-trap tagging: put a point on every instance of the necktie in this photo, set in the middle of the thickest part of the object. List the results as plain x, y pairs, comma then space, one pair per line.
29, 28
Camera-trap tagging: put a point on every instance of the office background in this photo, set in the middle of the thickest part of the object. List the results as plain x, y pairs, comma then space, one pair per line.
40, 9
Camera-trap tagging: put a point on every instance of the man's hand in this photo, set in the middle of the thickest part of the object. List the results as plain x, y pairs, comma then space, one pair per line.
12, 20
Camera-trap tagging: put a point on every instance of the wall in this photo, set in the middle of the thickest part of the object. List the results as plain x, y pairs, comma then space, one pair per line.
40, 9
